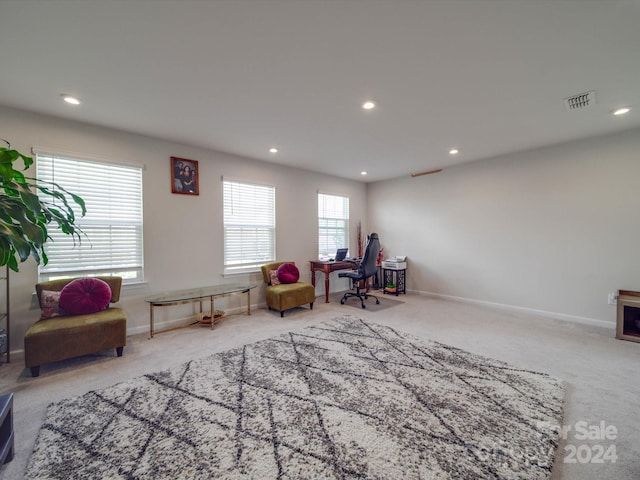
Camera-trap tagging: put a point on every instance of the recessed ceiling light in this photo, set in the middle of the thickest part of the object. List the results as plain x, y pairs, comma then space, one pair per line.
70, 99
363, 172
621, 110
368, 105
273, 150
454, 151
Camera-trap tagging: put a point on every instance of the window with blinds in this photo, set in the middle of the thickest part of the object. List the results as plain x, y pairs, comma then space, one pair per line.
333, 223
249, 226
112, 226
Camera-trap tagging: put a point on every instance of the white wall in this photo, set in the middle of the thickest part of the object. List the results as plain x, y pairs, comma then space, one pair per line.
553, 229
183, 238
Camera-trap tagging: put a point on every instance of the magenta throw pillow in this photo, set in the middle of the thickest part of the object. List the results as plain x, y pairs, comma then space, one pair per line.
288, 273
85, 295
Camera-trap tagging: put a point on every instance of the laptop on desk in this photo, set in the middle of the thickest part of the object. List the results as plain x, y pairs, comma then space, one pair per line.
341, 254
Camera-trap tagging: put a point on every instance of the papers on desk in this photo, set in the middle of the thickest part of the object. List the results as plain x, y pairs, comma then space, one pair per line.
346, 259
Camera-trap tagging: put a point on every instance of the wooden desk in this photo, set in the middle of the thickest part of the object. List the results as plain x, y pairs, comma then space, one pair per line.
327, 268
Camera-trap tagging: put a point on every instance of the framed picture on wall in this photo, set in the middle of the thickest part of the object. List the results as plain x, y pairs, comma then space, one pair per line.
184, 176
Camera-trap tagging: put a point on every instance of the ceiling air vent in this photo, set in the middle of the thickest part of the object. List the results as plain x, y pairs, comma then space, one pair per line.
580, 101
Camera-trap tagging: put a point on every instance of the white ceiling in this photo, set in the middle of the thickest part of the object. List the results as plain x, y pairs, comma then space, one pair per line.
486, 76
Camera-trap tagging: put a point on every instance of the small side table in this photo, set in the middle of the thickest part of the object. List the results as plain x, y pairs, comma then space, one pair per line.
396, 277
377, 278
6, 428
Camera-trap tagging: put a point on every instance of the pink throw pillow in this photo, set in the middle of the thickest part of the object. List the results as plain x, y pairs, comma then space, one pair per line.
85, 295
288, 273
273, 276
50, 304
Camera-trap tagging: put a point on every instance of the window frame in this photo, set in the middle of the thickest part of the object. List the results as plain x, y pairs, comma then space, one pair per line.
264, 227
331, 247
118, 231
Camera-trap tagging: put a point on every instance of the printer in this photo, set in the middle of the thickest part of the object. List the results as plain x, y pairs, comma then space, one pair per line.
398, 262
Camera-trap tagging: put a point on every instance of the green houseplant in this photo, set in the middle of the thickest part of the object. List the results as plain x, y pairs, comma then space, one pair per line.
25, 215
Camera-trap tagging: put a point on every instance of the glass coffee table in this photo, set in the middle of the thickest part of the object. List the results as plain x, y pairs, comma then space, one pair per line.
192, 295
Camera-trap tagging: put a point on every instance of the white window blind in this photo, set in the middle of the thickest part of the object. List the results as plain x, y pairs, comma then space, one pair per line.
249, 226
112, 224
333, 223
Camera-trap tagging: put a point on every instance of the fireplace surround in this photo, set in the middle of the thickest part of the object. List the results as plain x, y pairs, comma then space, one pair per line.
628, 320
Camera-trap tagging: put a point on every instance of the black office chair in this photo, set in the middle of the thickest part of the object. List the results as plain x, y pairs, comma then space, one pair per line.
366, 269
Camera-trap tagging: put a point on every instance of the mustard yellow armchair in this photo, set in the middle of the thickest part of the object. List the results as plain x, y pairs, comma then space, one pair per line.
72, 335
285, 296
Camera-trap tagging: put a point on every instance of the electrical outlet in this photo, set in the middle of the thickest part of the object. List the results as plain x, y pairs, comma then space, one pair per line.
612, 298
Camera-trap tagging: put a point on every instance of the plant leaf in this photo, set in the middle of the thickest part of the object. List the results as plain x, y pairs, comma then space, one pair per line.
24, 215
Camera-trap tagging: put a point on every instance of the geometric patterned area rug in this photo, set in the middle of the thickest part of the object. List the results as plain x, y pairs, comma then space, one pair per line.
345, 399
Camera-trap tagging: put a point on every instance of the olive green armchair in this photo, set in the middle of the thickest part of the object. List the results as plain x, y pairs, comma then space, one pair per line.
67, 336
286, 295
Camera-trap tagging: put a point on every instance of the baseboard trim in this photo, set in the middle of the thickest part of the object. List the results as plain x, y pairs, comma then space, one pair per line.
503, 306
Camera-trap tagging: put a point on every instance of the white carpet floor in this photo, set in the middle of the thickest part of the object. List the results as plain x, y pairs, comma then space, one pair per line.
600, 372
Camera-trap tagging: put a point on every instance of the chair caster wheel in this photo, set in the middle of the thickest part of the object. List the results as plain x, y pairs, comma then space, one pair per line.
342, 301
364, 306
377, 302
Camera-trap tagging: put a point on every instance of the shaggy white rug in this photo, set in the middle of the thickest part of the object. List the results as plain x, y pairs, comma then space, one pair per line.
344, 399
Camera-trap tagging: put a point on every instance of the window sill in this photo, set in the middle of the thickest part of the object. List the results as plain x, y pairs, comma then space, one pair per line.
242, 273
134, 285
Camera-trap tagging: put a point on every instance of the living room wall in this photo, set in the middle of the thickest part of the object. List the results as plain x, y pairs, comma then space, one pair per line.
183, 237
551, 230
